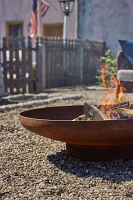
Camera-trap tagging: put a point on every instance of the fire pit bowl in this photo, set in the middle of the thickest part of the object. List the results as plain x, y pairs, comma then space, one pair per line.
88, 140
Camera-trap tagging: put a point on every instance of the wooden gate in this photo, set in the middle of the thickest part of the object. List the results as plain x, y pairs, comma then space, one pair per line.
62, 63
17, 65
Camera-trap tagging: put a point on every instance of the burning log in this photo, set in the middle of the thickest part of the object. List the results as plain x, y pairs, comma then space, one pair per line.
93, 112
112, 110
98, 113
125, 113
125, 104
117, 111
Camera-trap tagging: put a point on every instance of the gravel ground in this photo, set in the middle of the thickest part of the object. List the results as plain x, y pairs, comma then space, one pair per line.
34, 167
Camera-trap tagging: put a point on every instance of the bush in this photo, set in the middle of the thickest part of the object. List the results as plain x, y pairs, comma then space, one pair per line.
111, 68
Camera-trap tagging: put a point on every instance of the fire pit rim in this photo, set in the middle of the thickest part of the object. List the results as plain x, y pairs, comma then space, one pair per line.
75, 127
21, 114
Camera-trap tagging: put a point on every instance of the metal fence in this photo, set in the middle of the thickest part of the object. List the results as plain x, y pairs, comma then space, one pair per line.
59, 63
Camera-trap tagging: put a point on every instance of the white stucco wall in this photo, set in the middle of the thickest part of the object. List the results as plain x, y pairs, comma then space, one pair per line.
20, 10
108, 20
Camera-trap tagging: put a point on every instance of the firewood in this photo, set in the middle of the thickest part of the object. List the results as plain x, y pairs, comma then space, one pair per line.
94, 113
125, 113
125, 104
81, 118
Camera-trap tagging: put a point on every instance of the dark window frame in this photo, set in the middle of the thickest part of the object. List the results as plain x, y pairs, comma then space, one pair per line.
11, 23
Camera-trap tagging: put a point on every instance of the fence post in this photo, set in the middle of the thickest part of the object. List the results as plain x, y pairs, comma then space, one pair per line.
41, 62
81, 63
5, 62
38, 65
2, 86
30, 64
43, 65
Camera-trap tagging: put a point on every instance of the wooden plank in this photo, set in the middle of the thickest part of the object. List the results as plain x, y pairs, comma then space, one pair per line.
5, 64
52, 66
38, 71
17, 65
39, 65
12, 67
23, 65
60, 60
30, 65
43, 65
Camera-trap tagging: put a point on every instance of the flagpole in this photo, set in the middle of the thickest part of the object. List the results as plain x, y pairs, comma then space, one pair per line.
39, 30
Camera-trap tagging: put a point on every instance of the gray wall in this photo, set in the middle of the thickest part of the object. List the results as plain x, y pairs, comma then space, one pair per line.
106, 20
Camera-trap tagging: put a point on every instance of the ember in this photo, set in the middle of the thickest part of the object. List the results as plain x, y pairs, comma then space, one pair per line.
112, 105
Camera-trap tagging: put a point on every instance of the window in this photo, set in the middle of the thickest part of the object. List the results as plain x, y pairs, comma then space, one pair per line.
55, 30
14, 29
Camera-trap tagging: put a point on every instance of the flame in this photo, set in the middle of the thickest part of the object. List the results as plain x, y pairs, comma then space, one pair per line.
119, 90
113, 94
113, 114
103, 74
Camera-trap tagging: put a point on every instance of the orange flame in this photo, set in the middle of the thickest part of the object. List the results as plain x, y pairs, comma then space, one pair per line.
114, 91
119, 90
103, 74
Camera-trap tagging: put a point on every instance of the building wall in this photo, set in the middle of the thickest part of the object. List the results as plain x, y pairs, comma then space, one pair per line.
106, 20
20, 10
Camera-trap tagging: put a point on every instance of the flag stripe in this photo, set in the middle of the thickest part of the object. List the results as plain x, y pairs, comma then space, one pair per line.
33, 19
44, 7
33, 24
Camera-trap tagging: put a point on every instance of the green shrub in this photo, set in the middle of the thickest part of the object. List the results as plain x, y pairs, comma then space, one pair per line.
110, 61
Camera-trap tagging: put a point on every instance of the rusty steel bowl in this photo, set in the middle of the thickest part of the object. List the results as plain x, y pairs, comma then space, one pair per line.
88, 140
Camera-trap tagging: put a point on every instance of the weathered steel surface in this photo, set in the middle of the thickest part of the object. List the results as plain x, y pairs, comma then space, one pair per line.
100, 153
56, 123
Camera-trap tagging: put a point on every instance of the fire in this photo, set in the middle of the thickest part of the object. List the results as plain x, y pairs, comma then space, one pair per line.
113, 94
112, 114
103, 74
119, 90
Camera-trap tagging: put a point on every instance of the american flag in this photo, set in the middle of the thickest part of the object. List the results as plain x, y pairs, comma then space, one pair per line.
44, 7
33, 20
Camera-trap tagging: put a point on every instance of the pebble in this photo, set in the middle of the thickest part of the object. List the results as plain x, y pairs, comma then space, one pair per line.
33, 167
